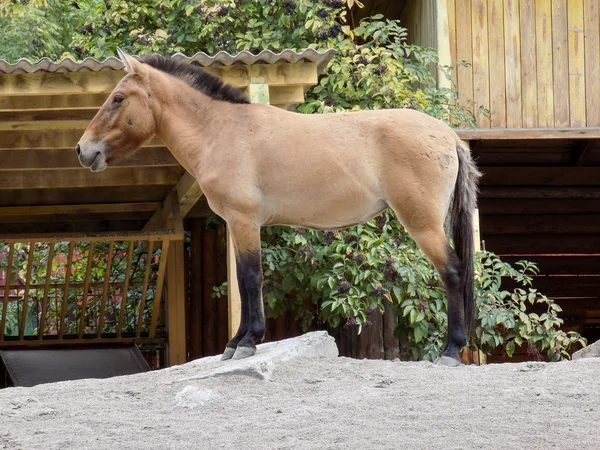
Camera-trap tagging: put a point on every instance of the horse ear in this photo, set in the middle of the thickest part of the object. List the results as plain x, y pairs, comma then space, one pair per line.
131, 64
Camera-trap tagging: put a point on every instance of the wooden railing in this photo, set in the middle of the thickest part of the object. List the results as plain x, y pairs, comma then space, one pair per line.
82, 289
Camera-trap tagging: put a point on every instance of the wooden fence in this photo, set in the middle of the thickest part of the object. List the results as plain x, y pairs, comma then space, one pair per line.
81, 290
532, 63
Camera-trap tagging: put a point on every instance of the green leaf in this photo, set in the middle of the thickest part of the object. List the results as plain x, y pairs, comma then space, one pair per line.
288, 283
413, 316
420, 333
510, 348
161, 33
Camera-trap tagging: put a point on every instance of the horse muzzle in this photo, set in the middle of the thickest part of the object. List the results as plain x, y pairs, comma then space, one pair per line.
91, 156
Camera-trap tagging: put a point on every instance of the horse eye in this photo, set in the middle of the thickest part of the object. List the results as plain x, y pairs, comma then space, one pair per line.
118, 99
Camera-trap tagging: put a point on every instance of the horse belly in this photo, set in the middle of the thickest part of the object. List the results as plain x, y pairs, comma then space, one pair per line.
325, 215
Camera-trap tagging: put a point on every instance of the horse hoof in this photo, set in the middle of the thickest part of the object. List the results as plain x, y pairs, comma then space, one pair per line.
228, 353
243, 352
447, 361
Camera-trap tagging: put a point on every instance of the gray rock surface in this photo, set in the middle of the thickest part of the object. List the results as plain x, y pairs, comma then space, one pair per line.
591, 351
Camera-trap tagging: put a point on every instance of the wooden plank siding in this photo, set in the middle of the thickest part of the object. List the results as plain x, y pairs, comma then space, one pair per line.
530, 63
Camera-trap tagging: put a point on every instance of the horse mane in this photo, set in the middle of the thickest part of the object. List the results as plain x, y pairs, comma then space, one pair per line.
197, 78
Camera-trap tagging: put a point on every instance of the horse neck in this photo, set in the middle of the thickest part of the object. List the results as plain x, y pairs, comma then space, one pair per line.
188, 119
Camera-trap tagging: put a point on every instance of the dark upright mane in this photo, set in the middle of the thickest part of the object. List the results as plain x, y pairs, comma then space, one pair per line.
197, 78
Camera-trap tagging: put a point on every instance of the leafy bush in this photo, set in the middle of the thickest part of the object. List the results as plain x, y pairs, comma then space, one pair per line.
376, 68
350, 274
503, 317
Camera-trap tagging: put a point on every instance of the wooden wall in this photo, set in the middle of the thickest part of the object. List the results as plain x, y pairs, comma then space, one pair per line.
419, 18
533, 63
538, 201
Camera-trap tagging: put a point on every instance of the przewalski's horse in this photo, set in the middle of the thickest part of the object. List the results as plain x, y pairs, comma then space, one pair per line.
259, 165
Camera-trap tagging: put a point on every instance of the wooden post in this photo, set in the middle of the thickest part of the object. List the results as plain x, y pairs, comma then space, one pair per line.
175, 305
443, 42
477, 356
234, 301
258, 92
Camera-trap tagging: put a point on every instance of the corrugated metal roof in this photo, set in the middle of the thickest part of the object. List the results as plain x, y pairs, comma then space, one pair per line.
220, 59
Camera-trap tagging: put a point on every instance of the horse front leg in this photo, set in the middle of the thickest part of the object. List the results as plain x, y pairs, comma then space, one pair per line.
245, 234
231, 346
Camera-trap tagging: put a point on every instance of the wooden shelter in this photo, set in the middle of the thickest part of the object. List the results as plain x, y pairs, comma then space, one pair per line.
136, 208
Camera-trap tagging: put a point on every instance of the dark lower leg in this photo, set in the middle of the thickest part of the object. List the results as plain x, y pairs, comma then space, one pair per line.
250, 271
244, 317
457, 337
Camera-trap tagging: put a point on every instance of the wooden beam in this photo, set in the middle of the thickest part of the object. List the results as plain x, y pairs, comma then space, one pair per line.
554, 206
47, 135
582, 151
562, 286
531, 243
33, 341
529, 133
529, 176
541, 223
258, 91
559, 264
66, 225
175, 306
34, 125
524, 157
47, 114
152, 235
27, 179
286, 95
286, 74
517, 192
69, 83
64, 83
187, 194
49, 100
84, 195
57, 210
65, 158
443, 42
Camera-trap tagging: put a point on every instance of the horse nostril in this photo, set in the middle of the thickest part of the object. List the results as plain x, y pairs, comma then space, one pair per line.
78, 150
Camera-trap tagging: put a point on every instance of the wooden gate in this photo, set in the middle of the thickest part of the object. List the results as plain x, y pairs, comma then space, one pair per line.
84, 289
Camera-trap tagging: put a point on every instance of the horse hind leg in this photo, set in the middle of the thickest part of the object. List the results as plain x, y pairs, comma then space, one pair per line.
434, 243
246, 238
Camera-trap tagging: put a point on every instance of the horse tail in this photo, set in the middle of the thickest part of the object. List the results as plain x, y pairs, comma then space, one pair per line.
464, 204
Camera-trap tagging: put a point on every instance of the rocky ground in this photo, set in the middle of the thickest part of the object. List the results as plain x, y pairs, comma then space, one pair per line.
297, 394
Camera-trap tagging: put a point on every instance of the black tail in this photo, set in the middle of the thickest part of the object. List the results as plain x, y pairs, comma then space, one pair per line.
464, 204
